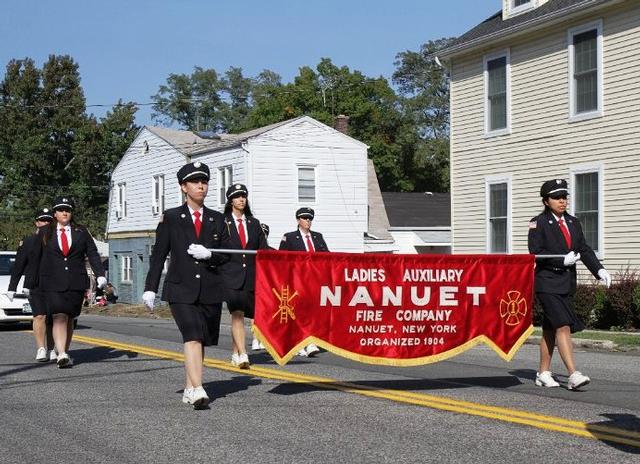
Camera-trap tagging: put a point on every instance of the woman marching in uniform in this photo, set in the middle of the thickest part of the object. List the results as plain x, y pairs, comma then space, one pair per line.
27, 264
554, 232
245, 233
63, 274
193, 285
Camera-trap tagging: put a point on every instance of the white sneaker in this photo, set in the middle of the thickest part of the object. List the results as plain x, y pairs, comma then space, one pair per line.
53, 356
187, 395
41, 354
243, 361
577, 380
64, 360
255, 345
545, 379
199, 398
302, 353
312, 350
235, 359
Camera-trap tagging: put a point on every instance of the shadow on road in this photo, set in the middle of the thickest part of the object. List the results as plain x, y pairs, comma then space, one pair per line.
221, 388
396, 384
627, 422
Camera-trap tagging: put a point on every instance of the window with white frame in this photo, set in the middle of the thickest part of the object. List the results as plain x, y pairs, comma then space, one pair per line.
306, 184
126, 274
520, 6
121, 200
586, 203
157, 198
585, 71
225, 179
498, 215
497, 93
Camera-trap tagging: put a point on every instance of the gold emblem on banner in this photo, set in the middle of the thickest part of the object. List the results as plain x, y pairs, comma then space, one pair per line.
514, 309
285, 308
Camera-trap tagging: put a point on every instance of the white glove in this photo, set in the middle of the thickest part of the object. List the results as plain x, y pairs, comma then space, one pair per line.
10, 295
605, 276
101, 281
149, 298
198, 251
26, 292
571, 258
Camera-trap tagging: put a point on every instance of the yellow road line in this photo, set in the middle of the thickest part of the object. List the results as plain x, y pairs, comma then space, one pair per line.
552, 423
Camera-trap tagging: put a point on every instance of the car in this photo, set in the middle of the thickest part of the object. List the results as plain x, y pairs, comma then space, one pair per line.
18, 310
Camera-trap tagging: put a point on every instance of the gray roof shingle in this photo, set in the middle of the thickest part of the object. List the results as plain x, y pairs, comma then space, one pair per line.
495, 24
405, 209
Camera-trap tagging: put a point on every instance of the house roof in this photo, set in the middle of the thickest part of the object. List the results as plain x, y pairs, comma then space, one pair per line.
423, 209
193, 143
495, 26
378, 220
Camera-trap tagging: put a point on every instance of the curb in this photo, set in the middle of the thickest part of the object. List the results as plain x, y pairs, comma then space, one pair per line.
605, 345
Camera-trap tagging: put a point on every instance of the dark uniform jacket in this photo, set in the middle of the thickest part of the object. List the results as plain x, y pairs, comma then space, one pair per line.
240, 271
188, 280
27, 264
293, 241
545, 238
59, 273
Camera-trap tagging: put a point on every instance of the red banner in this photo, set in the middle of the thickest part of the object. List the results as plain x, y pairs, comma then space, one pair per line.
399, 310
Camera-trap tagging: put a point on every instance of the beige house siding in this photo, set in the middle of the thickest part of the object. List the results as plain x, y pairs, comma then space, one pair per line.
543, 144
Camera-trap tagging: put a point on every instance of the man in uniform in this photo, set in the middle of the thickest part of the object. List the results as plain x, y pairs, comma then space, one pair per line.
27, 264
193, 285
304, 239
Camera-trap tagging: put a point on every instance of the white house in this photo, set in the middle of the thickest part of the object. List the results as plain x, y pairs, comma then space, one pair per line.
300, 162
547, 89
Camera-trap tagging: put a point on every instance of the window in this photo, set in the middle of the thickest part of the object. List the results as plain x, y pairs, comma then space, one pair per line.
157, 191
498, 215
520, 6
586, 203
121, 203
306, 184
225, 179
497, 94
126, 274
517, 3
585, 71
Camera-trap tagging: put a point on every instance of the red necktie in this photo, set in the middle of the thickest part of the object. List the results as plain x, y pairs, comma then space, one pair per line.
197, 223
310, 244
64, 241
565, 232
243, 236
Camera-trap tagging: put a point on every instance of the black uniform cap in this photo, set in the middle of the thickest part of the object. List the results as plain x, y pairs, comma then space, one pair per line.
44, 214
237, 190
63, 202
555, 188
193, 171
304, 212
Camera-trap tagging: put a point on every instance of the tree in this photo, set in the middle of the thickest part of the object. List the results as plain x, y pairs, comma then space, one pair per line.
424, 90
193, 101
49, 146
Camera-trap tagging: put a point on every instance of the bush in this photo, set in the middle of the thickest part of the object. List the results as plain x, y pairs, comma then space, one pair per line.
598, 307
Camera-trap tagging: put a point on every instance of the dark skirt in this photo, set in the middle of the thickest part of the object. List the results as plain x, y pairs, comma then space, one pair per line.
197, 322
38, 303
69, 302
559, 311
241, 300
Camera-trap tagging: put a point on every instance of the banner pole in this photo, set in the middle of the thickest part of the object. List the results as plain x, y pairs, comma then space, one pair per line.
253, 252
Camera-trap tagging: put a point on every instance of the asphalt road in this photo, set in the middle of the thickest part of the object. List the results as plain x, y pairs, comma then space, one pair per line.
121, 403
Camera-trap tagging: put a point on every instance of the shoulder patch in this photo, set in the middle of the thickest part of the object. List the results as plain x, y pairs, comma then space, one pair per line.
284, 238
21, 242
533, 224
161, 218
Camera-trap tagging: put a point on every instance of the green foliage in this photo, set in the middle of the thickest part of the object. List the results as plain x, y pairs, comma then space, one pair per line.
50, 146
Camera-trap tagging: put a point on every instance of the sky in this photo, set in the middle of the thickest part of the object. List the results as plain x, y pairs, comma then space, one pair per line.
127, 49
